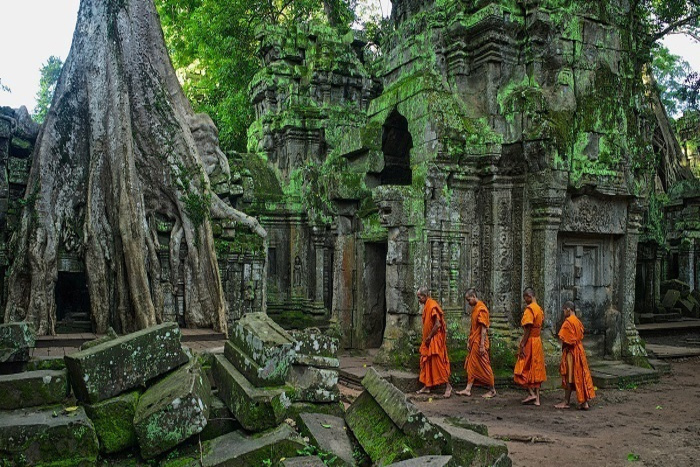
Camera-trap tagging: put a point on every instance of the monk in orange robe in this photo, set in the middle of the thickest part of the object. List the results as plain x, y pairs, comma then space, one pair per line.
575, 375
434, 362
478, 364
530, 371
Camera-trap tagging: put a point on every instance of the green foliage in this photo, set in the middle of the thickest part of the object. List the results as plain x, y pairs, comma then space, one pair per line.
50, 72
4, 88
671, 73
213, 46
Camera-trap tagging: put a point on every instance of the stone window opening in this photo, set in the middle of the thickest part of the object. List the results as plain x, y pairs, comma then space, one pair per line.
396, 147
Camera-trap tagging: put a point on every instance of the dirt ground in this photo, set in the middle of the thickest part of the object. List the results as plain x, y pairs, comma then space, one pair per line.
649, 425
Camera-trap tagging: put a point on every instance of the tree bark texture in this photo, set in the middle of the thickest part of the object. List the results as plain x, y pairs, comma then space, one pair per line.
115, 155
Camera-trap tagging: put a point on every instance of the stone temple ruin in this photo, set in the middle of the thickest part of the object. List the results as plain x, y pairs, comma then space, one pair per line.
485, 147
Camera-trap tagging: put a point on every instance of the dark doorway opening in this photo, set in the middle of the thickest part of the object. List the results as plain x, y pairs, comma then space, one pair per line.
374, 282
396, 146
72, 303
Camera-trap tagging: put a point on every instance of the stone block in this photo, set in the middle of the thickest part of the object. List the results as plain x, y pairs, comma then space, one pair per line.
378, 435
255, 408
111, 335
114, 421
19, 335
329, 435
220, 422
256, 375
313, 384
40, 438
11, 355
467, 424
333, 408
172, 410
33, 388
318, 362
470, 448
424, 461
405, 414
265, 344
306, 461
674, 284
125, 363
239, 450
315, 343
670, 299
687, 308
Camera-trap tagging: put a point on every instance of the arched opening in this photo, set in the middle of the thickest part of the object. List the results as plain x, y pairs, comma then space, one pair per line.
396, 146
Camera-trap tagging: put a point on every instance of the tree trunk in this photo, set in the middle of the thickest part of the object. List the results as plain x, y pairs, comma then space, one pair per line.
671, 170
115, 155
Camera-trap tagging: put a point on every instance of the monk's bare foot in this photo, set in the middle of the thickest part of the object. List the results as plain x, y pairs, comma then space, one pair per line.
584, 406
528, 399
448, 392
489, 395
562, 405
536, 403
463, 392
423, 390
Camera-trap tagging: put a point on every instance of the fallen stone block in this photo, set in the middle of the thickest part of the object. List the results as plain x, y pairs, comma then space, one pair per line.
316, 361
172, 410
33, 388
111, 335
332, 408
468, 425
239, 450
670, 299
260, 349
19, 335
406, 416
255, 408
674, 284
306, 461
424, 461
114, 422
687, 308
125, 363
313, 384
473, 449
220, 422
329, 435
40, 438
315, 343
382, 440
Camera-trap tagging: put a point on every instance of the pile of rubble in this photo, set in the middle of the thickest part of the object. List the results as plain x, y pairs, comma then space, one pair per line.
270, 398
678, 302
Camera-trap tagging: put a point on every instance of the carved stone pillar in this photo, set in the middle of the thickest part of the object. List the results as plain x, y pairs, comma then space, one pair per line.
319, 249
632, 346
344, 280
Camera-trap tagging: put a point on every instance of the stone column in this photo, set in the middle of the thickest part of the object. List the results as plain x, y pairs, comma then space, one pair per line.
344, 272
319, 249
632, 346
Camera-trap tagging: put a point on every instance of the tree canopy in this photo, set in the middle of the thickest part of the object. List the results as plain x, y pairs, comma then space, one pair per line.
50, 71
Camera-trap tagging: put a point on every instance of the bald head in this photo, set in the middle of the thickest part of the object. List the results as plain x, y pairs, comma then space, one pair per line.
529, 291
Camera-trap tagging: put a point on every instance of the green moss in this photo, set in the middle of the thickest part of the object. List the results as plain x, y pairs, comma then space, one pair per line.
113, 420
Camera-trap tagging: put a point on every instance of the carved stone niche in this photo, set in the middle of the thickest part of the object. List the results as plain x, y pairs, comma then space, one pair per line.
588, 214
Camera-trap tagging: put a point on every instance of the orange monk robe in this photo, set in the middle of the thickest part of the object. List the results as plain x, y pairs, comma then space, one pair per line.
434, 363
530, 371
478, 366
574, 366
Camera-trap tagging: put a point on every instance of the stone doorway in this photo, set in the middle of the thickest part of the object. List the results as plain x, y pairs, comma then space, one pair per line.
396, 146
373, 305
585, 274
72, 303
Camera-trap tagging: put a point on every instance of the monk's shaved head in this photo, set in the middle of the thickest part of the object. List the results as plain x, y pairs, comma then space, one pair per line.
529, 291
423, 290
569, 305
471, 292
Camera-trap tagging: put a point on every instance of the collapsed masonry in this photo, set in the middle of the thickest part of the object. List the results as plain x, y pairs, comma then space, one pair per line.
269, 397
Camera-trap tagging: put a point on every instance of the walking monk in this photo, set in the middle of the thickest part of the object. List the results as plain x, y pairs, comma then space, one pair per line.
529, 371
575, 375
478, 364
434, 362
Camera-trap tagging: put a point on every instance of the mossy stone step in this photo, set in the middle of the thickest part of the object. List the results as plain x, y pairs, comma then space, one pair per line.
470, 448
33, 388
114, 421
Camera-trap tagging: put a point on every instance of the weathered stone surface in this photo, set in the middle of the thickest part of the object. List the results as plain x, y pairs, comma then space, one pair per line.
424, 461
315, 343
405, 414
255, 408
14, 355
172, 410
32, 388
306, 461
17, 335
121, 364
670, 299
220, 422
111, 335
239, 450
114, 421
336, 409
473, 449
318, 362
40, 438
466, 424
328, 434
266, 345
313, 384
674, 284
